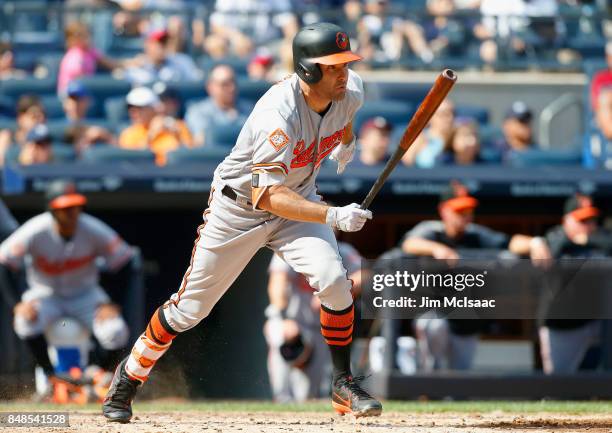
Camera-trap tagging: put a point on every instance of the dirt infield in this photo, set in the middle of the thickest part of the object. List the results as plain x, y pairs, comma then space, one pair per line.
317, 422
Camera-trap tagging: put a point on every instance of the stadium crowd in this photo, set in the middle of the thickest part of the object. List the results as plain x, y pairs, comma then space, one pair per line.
205, 65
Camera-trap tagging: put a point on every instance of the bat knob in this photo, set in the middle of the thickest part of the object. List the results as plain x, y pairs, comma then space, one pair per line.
449, 74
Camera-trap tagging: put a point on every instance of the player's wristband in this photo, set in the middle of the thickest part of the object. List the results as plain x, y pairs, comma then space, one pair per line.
330, 217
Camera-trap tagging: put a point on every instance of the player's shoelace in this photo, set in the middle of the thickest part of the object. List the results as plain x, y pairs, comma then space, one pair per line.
351, 383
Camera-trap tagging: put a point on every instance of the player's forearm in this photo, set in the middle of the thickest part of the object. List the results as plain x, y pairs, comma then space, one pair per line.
419, 246
285, 203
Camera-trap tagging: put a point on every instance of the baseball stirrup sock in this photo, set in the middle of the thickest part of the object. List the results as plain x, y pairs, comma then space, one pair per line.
150, 346
337, 330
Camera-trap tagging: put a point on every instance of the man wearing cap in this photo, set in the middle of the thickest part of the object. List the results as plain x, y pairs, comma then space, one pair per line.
37, 148
59, 249
517, 130
150, 130
157, 64
222, 108
564, 342
373, 141
454, 341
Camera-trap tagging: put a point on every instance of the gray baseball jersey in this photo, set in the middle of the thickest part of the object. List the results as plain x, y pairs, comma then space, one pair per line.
284, 134
58, 266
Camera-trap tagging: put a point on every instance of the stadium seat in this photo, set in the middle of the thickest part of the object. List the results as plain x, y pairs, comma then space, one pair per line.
480, 114
53, 107
8, 123
404, 92
189, 90
61, 153
7, 106
395, 112
104, 86
239, 65
110, 154
223, 136
51, 63
537, 157
115, 110
14, 88
489, 134
252, 90
196, 155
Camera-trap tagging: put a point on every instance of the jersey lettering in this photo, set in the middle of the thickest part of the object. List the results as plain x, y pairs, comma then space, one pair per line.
304, 156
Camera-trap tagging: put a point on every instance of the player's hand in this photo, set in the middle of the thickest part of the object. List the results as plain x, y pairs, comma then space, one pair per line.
540, 254
348, 218
27, 310
343, 154
442, 252
107, 311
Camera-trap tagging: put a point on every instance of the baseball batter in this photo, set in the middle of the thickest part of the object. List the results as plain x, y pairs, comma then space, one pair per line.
58, 249
264, 195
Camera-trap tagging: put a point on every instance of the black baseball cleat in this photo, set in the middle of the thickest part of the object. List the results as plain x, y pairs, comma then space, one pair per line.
117, 406
349, 398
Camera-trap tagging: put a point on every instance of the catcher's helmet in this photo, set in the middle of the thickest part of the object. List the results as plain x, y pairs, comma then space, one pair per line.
323, 43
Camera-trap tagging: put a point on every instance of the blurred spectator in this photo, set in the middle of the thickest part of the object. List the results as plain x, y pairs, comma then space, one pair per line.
37, 148
82, 137
169, 100
443, 31
149, 130
430, 144
453, 342
7, 67
8, 224
373, 141
380, 34
602, 78
261, 68
158, 64
76, 102
81, 59
243, 25
30, 112
463, 147
517, 130
598, 144
603, 113
221, 108
564, 342
506, 26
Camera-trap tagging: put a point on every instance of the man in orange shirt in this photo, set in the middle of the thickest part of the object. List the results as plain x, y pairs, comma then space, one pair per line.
149, 130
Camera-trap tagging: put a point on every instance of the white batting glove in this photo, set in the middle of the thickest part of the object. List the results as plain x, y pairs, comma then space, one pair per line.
343, 154
348, 218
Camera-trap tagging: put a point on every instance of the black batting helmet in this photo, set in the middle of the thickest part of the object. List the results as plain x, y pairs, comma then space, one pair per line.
321, 43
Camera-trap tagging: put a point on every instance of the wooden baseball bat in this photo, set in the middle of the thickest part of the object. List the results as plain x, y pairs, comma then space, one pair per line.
441, 87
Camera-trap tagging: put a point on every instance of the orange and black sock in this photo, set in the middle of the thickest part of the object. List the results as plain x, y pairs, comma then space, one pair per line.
337, 330
150, 346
